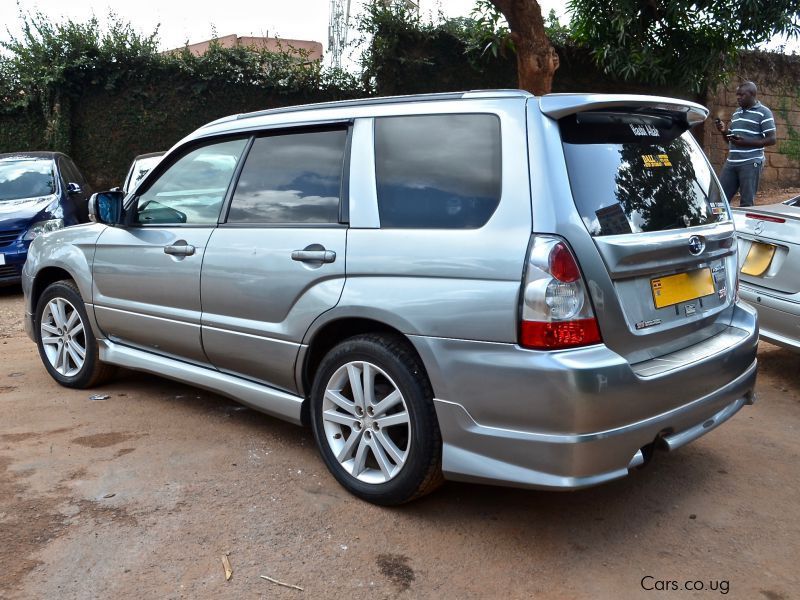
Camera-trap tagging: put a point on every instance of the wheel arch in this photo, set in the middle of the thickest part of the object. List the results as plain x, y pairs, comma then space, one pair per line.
44, 278
331, 333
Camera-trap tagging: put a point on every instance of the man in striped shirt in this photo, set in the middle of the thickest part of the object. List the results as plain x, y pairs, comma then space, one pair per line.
752, 128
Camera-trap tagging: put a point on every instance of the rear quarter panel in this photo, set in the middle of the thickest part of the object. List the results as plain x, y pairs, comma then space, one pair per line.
451, 283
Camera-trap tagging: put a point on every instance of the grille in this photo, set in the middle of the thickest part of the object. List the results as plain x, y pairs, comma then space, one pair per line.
8, 236
9, 271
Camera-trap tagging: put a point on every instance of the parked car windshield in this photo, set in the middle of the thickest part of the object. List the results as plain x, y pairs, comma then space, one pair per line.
634, 173
26, 179
140, 168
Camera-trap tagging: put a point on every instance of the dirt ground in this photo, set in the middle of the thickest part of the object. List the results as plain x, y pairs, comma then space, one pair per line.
140, 496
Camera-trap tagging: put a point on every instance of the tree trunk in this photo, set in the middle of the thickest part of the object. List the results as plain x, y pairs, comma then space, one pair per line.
537, 60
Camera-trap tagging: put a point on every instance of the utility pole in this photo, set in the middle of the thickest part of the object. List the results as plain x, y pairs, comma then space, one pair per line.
337, 30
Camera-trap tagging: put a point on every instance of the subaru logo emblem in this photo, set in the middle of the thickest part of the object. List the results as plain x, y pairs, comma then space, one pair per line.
696, 245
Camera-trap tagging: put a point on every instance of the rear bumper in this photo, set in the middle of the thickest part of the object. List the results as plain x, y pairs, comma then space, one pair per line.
573, 419
778, 316
477, 453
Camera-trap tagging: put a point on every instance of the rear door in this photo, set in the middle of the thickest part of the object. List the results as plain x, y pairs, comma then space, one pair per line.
657, 216
278, 260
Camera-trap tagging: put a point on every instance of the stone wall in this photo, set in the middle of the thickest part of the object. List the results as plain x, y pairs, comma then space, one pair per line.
778, 79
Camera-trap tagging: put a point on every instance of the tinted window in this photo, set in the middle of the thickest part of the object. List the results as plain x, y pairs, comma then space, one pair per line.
292, 178
638, 173
192, 189
437, 171
67, 174
26, 179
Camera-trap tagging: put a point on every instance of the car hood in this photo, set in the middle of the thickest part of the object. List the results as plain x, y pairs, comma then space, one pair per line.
28, 209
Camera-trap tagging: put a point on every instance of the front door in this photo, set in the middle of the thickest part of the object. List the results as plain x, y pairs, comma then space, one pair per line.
278, 260
147, 275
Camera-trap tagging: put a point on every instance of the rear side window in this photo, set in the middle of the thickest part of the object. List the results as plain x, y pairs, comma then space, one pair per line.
291, 178
437, 171
634, 173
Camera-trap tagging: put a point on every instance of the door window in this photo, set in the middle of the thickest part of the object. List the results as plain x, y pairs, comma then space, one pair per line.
69, 173
192, 189
291, 178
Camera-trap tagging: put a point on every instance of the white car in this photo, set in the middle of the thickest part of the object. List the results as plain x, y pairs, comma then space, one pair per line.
769, 268
140, 167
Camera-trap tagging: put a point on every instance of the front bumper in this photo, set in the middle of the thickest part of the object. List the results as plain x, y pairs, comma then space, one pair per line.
14, 256
778, 316
578, 418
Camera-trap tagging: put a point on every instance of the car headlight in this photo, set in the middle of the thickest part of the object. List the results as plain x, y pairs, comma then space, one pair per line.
41, 227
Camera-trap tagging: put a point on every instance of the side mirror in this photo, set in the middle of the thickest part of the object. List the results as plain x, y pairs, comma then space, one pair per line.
106, 207
74, 188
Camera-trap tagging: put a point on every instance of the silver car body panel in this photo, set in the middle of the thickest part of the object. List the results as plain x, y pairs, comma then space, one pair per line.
262, 398
618, 268
775, 293
253, 325
241, 319
146, 298
557, 106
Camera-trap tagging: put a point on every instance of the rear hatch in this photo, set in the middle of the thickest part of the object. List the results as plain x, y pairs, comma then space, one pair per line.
657, 216
769, 246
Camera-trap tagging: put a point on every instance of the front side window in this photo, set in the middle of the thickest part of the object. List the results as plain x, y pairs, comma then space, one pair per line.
29, 178
634, 173
291, 178
192, 189
437, 171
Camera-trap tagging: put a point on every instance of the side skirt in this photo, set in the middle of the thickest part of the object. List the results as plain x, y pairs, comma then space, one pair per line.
258, 397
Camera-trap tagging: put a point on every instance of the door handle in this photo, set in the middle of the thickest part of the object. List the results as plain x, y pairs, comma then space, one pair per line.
316, 256
179, 250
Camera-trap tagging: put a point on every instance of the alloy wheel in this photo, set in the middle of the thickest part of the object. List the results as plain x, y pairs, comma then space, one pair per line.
63, 337
366, 422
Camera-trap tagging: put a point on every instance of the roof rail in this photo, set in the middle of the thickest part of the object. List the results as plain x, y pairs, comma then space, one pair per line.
473, 94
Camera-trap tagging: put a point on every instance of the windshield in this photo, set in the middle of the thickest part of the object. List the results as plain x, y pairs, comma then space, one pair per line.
634, 173
26, 179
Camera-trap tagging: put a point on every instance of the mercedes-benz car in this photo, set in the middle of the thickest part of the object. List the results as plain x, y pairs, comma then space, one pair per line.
769, 256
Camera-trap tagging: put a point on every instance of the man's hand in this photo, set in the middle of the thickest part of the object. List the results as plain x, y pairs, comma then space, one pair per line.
769, 140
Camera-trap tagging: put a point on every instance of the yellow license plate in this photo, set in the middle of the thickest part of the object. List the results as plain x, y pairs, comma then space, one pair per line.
675, 289
758, 259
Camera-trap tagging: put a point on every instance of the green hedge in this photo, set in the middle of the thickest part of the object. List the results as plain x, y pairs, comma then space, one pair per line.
110, 128
106, 95
104, 98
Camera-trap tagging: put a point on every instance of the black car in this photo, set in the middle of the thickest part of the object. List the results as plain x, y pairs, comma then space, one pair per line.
39, 192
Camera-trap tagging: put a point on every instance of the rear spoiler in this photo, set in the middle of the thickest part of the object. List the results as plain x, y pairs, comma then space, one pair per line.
557, 106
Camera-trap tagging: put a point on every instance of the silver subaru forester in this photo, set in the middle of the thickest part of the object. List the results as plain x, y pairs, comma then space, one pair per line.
485, 286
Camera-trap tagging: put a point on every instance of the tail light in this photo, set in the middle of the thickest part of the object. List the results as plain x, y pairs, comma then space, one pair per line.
556, 311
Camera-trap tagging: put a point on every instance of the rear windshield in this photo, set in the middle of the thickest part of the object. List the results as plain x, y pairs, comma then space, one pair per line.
26, 179
633, 173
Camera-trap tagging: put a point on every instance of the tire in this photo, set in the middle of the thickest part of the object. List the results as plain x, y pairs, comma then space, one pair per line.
384, 447
63, 333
